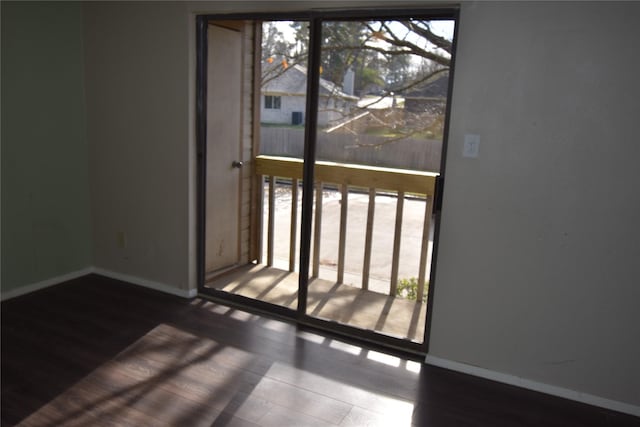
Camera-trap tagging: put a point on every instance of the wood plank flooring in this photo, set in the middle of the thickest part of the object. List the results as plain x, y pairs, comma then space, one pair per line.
99, 352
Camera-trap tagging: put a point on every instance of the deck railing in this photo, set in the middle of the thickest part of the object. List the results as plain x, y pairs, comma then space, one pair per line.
346, 176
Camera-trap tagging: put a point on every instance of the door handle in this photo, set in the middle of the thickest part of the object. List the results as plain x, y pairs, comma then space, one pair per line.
236, 164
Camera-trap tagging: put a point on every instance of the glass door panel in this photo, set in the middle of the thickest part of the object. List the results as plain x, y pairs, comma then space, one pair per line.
382, 98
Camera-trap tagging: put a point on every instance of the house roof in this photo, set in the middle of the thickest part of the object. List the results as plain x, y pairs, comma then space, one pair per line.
293, 81
434, 89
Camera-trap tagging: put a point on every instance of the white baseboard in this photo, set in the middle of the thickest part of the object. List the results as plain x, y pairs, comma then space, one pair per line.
184, 293
534, 385
26, 289
22, 290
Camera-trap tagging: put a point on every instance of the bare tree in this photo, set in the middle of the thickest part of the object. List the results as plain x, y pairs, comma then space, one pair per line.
389, 58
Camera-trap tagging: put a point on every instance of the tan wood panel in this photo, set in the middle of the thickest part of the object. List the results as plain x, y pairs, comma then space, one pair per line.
408, 181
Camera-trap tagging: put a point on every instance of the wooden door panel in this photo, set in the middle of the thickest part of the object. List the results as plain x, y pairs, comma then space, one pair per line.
223, 148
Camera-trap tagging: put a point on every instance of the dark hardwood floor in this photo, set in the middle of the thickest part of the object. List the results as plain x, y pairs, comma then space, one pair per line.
95, 351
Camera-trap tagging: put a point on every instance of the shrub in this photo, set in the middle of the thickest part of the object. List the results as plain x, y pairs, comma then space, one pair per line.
408, 288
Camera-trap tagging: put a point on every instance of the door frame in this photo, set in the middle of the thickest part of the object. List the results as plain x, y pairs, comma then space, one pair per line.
315, 19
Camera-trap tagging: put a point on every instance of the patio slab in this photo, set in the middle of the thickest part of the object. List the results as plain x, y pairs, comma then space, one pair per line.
342, 303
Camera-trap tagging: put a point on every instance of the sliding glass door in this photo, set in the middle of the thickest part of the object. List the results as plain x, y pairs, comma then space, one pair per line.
342, 154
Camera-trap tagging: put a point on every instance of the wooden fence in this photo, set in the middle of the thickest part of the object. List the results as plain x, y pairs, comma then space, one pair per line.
408, 153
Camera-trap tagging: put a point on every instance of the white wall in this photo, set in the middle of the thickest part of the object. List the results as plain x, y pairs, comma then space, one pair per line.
137, 61
537, 274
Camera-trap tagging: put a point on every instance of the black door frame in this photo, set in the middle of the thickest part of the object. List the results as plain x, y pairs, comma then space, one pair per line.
315, 19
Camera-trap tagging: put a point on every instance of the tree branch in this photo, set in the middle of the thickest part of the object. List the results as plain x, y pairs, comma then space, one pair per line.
425, 31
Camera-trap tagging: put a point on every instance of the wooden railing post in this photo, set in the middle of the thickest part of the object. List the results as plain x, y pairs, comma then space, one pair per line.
258, 219
271, 220
343, 231
425, 248
393, 289
294, 224
366, 265
403, 182
317, 228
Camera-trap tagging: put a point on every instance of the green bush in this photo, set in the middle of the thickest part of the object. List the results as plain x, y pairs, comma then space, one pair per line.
408, 288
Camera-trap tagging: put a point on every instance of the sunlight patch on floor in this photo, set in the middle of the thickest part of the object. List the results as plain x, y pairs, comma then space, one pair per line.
378, 408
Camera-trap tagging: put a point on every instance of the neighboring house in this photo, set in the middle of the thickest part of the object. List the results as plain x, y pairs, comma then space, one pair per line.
284, 97
430, 98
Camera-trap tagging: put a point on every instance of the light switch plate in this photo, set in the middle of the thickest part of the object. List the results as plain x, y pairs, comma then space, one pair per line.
471, 145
